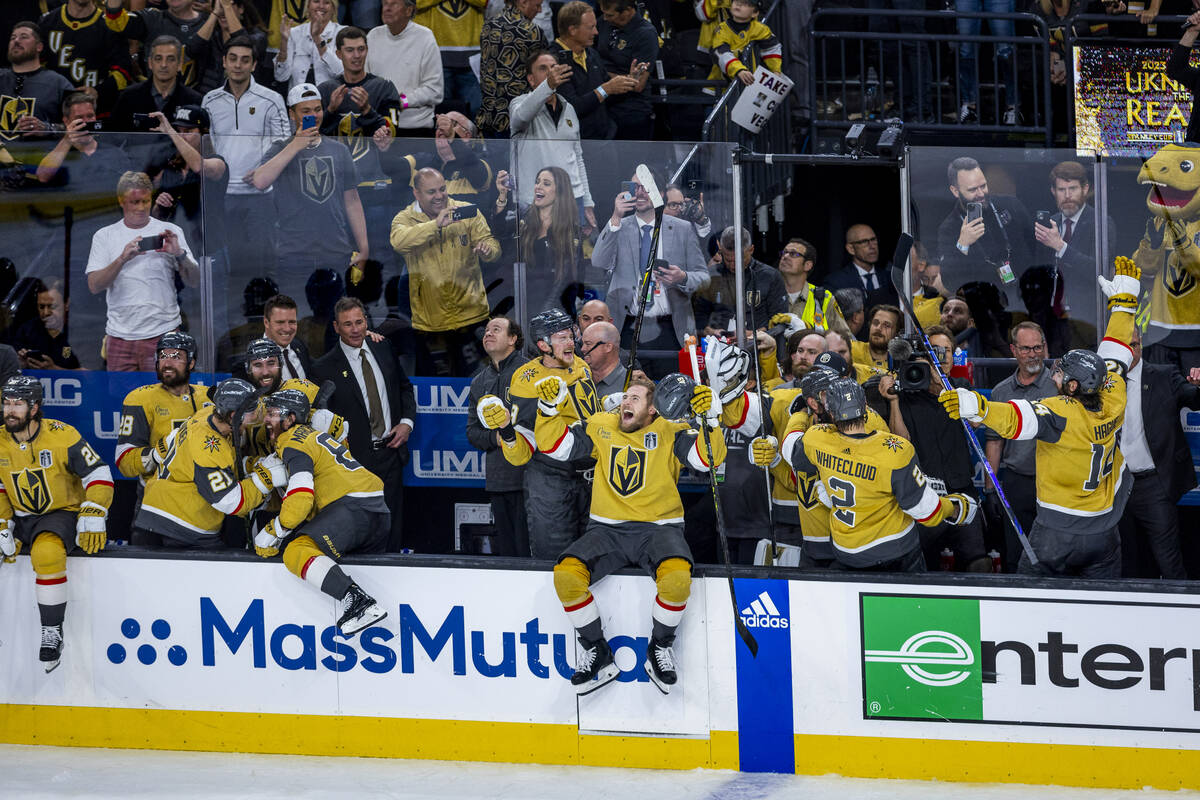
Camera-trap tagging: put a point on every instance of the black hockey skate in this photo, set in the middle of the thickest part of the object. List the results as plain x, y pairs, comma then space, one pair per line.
660, 665
596, 668
52, 645
361, 611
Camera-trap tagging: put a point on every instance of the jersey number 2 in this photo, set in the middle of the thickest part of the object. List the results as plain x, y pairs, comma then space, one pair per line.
842, 496
1102, 466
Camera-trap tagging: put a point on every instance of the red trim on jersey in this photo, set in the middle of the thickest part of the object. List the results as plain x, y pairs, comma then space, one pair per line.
578, 606
668, 606
307, 564
242, 495
50, 581
1016, 408
1116, 341
297, 489
700, 455
932, 514
746, 403
568, 430
121, 457
109, 483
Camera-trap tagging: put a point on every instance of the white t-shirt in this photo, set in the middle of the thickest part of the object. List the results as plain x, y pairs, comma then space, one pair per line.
141, 301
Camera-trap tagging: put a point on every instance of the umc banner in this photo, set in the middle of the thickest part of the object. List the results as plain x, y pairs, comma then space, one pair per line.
441, 454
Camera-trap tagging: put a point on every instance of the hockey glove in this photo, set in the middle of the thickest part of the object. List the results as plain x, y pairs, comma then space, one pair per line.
764, 451
266, 541
268, 473
965, 509
90, 527
1123, 290
8, 542
154, 457
612, 401
701, 401
322, 419
495, 417
552, 393
964, 404
793, 322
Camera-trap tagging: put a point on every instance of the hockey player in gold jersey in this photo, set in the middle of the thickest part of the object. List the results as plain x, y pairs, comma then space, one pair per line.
54, 495
636, 513
333, 506
151, 412
556, 492
197, 483
873, 486
1082, 483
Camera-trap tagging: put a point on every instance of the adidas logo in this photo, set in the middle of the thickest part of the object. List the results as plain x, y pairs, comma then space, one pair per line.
762, 613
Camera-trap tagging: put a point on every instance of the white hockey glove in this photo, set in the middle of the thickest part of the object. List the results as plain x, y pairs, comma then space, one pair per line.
965, 508
268, 473
963, 404
322, 419
153, 457
8, 542
266, 541
90, 533
552, 393
793, 322
612, 401
823, 494
1125, 287
494, 416
764, 451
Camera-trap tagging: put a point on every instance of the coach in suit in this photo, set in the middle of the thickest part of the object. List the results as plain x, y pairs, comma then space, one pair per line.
623, 248
865, 270
376, 398
1158, 458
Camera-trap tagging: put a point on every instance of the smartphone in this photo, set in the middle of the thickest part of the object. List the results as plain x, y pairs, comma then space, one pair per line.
151, 243
564, 57
974, 211
629, 188
95, 126
660, 266
308, 121
464, 212
35, 354
1043, 218
142, 122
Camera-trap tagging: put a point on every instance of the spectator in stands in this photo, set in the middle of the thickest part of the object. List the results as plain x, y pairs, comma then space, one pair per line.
884, 323
548, 129
742, 35
163, 92
359, 13
191, 187
677, 204
246, 118
623, 251
1071, 236
816, 307
407, 54
85, 51
457, 26
716, 303
42, 343
628, 44
928, 291
502, 341
32, 94
508, 41
589, 86
307, 52
907, 63
968, 53
86, 162
1179, 69
318, 210
230, 20
865, 270
957, 319
551, 244
602, 352
456, 156
850, 301
376, 398
591, 312
177, 18
134, 262
1013, 461
983, 237
443, 241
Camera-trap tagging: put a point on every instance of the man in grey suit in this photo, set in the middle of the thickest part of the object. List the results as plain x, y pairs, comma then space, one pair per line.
622, 249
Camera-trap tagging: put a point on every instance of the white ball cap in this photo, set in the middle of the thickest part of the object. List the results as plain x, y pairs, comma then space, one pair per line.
301, 92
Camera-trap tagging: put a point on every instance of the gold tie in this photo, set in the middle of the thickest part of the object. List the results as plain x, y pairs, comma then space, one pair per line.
374, 407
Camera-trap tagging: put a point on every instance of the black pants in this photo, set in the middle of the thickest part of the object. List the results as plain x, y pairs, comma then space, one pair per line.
389, 467
1021, 491
1087, 555
512, 526
1150, 519
556, 507
454, 353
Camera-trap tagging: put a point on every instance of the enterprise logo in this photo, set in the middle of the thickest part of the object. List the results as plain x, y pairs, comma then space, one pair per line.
929, 649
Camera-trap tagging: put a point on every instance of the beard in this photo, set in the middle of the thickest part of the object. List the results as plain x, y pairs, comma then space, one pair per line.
13, 423
175, 379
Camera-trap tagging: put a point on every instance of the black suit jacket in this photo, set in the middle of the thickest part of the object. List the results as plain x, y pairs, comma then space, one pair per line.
1164, 393
984, 258
238, 366
348, 401
139, 99
847, 278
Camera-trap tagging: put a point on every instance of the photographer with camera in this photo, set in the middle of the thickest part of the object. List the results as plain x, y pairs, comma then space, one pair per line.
164, 92
910, 390
691, 209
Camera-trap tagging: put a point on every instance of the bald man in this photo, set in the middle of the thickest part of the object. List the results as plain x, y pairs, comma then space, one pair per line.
865, 270
593, 311
601, 351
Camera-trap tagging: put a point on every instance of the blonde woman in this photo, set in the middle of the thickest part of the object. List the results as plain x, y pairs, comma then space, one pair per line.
309, 46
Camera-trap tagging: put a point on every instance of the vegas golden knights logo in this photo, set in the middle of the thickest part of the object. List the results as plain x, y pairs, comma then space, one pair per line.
806, 489
626, 469
316, 178
584, 395
1176, 281
11, 110
352, 136
33, 492
454, 9
294, 9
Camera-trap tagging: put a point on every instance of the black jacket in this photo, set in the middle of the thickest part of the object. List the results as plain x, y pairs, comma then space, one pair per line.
139, 99
847, 278
579, 91
1188, 76
1164, 393
501, 475
1008, 236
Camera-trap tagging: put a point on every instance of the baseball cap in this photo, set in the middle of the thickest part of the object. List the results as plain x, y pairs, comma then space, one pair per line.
833, 361
192, 116
301, 92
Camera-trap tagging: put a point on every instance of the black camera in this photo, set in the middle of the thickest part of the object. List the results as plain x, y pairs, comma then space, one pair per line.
142, 122
908, 358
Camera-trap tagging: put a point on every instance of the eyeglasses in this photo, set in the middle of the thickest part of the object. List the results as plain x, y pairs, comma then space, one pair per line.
872, 240
675, 204
794, 254
1026, 350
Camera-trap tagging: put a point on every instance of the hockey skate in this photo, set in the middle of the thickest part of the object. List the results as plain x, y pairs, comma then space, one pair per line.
52, 645
361, 611
660, 665
596, 668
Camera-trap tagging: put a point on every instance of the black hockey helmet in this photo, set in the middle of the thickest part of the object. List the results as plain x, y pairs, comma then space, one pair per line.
259, 349
546, 323
1085, 367
845, 400
817, 380
231, 396
290, 401
176, 340
22, 387
673, 397
833, 361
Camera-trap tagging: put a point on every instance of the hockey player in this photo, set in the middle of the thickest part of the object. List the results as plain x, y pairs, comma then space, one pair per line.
557, 491
59, 489
1081, 482
150, 412
636, 513
197, 483
333, 507
872, 483
263, 371
319, 418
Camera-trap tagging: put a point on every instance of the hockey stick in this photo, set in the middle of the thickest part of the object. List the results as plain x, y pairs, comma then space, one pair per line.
323, 394
762, 422
899, 261
647, 181
740, 626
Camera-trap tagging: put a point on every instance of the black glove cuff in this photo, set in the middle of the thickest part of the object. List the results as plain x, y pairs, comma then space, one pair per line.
508, 433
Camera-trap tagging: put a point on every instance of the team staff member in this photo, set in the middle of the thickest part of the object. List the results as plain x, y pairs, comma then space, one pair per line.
557, 492
332, 507
59, 490
636, 513
1082, 483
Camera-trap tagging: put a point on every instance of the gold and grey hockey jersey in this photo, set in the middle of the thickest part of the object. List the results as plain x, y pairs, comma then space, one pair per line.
320, 471
148, 414
582, 402
56, 469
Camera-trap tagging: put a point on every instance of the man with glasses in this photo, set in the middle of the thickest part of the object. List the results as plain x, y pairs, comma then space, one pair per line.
864, 270
1012, 460
812, 306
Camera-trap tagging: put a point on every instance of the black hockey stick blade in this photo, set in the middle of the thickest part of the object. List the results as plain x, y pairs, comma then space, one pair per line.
323, 394
899, 262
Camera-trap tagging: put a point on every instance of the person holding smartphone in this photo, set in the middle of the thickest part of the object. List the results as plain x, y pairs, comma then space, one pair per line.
628, 45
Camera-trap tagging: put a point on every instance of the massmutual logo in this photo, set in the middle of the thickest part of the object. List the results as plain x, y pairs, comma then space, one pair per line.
762, 613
